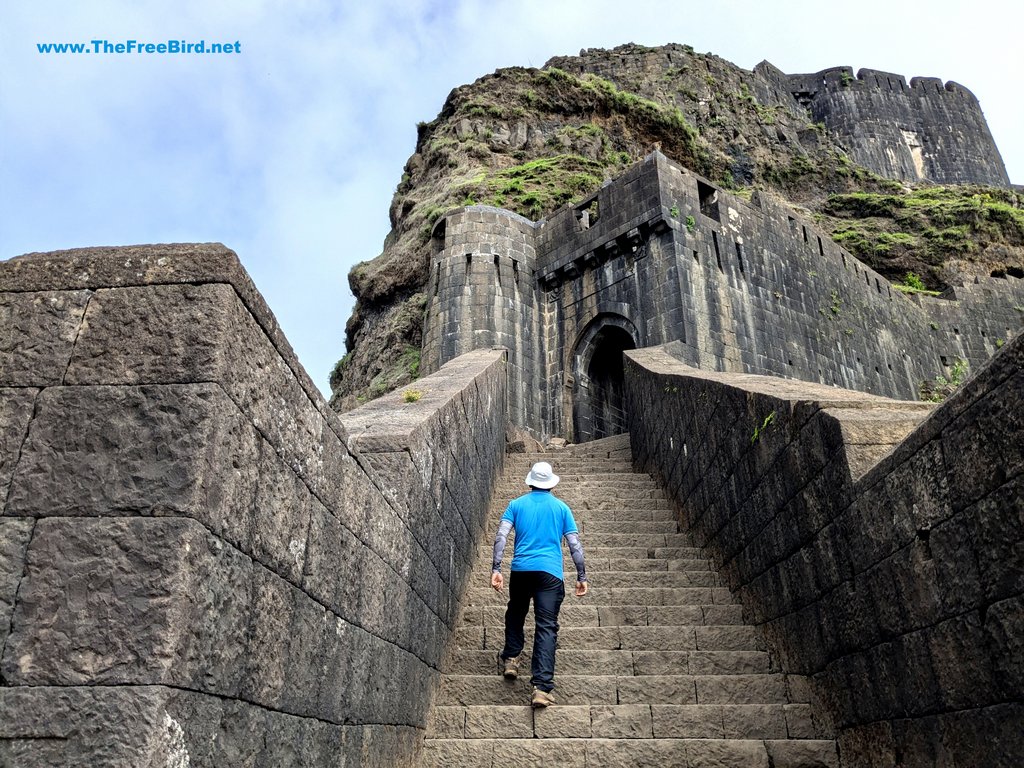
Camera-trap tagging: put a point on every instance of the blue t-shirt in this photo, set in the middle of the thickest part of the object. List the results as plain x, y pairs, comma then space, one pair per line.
540, 521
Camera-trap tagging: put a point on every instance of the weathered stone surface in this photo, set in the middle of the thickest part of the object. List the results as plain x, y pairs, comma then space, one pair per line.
143, 450
14, 538
725, 753
562, 722
499, 722
39, 333
896, 591
687, 722
130, 600
625, 721
154, 725
16, 406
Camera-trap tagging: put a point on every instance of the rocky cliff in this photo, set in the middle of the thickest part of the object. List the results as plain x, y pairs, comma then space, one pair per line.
533, 140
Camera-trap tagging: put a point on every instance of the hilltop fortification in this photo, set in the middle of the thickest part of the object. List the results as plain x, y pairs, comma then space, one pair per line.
905, 178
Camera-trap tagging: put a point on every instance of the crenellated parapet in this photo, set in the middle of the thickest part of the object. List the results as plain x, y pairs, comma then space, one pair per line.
924, 130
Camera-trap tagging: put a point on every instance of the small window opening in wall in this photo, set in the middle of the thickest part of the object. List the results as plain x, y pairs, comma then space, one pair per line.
792, 221
497, 264
437, 279
587, 214
469, 261
867, 277
1015, 272
739, 256
889, 365
983, 333
805, 233
843, 255
515, 270
878, 285
708, 197
821, 248
956, 330
718, 254
791, 362
943, 360
696, 257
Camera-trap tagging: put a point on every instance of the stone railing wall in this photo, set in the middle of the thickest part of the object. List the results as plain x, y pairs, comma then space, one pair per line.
882, 554
198, 565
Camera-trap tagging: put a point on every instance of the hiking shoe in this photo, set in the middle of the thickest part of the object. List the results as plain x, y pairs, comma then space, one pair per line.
509, 668
541, 699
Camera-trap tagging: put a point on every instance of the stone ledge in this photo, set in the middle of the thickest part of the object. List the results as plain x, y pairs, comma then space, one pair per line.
155, 264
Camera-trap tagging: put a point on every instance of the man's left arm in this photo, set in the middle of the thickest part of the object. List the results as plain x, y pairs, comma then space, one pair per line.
572, 538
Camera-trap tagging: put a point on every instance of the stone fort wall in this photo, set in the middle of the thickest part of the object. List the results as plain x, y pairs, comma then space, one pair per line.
664, 255
923, 130
879, 547
200, 563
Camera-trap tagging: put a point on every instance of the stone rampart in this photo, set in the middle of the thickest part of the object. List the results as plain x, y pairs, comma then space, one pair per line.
661, 255
921, 131
879, 546
199, 562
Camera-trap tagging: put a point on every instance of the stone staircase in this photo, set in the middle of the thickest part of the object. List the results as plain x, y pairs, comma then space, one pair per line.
655, 666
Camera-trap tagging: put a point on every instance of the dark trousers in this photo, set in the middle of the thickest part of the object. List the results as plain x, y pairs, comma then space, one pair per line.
547, 592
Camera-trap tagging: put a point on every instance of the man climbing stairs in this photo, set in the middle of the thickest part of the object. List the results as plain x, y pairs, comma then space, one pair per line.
655, 666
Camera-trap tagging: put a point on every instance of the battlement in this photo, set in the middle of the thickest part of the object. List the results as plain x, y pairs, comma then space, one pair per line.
924, 130
843, 77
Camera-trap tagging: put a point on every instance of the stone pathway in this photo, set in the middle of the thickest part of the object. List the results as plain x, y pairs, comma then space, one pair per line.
655, 666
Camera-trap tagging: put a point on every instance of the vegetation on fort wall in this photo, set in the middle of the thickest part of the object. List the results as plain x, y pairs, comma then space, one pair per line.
539, 186
930, 224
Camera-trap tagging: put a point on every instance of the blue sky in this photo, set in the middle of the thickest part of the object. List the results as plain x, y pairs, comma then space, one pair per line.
289, 151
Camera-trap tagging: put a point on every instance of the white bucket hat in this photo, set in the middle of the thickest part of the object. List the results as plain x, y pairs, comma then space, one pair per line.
542, 476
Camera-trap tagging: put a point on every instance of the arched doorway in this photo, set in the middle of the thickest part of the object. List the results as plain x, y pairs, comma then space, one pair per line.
599, 407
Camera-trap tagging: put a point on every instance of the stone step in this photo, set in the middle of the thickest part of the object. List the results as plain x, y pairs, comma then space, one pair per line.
483, 596
622, 721
702, 637
615, 616
589, 527
724, 664
576, 494
619, 513
630, 753
604, 565
605, 568
648, 541
467, 690
600, 578
591, 549
655, 666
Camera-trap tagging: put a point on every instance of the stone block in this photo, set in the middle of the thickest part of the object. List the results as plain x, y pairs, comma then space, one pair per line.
44, 727
687, 722
138, 450
562, 722
792, 753
499, 722
624, 721
754, 721
16, 406
39, 334
568, 752
130, 601
14, 539
726, 753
